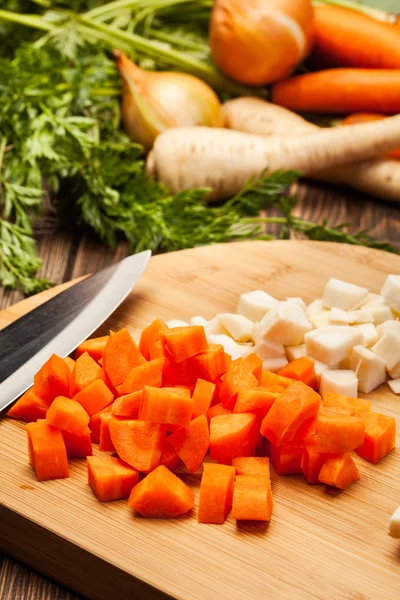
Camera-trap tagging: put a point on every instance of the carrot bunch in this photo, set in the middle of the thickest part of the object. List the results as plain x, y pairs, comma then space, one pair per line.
162, 405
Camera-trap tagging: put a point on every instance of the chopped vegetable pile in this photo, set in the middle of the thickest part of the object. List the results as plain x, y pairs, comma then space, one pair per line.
157, 408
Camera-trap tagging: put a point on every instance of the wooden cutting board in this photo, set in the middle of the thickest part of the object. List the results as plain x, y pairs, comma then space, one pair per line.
321, 544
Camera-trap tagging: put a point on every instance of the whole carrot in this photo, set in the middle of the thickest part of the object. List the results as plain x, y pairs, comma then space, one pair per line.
341, 91
365, 118
348, 38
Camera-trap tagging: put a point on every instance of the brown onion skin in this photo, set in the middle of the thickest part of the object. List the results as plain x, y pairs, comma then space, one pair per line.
252, 47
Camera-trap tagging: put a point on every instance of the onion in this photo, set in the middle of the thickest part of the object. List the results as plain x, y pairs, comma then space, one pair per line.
260, 41
155, 101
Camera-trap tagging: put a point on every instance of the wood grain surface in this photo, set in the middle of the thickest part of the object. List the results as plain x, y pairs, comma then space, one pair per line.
319, 545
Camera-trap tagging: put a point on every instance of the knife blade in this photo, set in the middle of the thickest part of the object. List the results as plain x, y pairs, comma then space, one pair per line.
59, 325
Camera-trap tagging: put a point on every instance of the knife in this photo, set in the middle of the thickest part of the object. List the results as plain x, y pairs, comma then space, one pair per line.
59, 325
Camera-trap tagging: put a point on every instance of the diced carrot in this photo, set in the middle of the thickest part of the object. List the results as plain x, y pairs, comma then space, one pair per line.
216, 491
94, 397
110, 478
232, 436
68, 415
94, 347
251, 465
120, 356
169, 457
156, 350
216, 410
252, 498
69, 362
340, 472
150, 336
78, 446
106, 444
128, 406
338, 432
292, 416
287, 458
202, 397
255, 400
254, 364
356, 407
311, 463
301, 369
269, 379
52, 380
236, 379
176, 374
85, 372
209, 364
30, 407
380, 437
263, 446
161, 495
94, 424
165, 407
47, 452
149, 373
191, 443
184, 342
139, 444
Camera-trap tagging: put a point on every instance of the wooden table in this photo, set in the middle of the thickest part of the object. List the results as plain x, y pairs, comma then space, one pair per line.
69, 254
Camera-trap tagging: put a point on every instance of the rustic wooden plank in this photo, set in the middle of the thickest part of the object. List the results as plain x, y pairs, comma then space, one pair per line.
231, 561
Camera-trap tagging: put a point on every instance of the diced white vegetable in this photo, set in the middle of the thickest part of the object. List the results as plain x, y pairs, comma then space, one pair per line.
388, 327
172, 323
369, 332
286, 325
340, 294
275, 364
298, 301
315, 307
379, 312
329, 344
395, 372
244, 350
239, 327
320, 367
394, 524
356, 333
339, 382
345, 364
369, 367
223, 340
391, 291
198, 321
295, 352
350, 317
214, 327
394, 385
269, 349
388, 348
321, 319
254, 305
371, 299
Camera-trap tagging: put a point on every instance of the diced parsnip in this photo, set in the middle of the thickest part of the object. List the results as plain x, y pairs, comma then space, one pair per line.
394, 524
395, 372
172, 323
388, 348
388, 327
198, 321
321, 319
214, 327
330, 345
244, 350
268, 349
286, 325
369, 367
294, 352
238, 327
337, 315
340, 294
298, 301
223, 340
339, 382
320, 367
391, 291
380, 312
371, 299
369, 332
394, 385
315, 307
254, 305
275, 364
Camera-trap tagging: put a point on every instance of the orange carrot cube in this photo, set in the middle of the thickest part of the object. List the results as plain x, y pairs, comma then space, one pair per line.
380, 437
78, 446
236, 379
94, 347
338, 432
202, 397
137, 443
254, 364
301, 369
165, 407
233, 435
169, 457
287, 458
94, 424
106, 444
216, 491
85, 371
120, 356
191, 443
216, 410
148, 373
257, 401
356, 407
110, 478
30, 407
184, 342
251, 465
252, 498
150, 336
52, 380
127, 406
94, 397
47, 452
340, 471
68, 414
